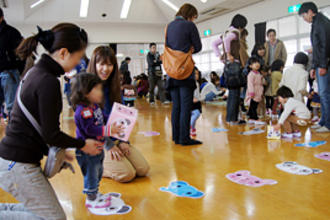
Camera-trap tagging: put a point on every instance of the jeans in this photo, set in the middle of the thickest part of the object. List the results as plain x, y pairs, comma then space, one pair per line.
153, 82
9, 84
233, 105
210, 96
194, 116
182, 98
324, 92
27, 183
92, 170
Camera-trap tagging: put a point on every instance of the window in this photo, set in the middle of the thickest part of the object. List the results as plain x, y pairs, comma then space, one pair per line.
294, 32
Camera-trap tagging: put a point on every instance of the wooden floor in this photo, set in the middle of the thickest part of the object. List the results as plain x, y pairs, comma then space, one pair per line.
205, 167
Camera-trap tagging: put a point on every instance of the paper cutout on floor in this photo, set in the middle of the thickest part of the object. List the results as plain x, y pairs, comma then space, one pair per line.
219, 130
182, 189
297, 169
117, 207
149, 133
311, 144
221, 103
243, 177
253, 131
272, 134
323, 156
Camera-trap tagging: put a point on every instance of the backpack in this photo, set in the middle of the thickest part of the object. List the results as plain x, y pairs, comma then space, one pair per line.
234, 76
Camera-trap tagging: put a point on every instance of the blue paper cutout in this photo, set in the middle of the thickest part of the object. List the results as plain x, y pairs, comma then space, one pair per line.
219, 130
311, 144
183, 189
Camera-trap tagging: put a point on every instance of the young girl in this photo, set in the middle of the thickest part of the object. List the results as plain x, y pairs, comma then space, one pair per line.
197, 106
255, 89
86, 97
123, 162
295, 114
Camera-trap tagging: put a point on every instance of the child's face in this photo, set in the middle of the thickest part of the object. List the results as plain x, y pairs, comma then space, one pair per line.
282, 100
261, 52
95, 96
255, 66
104, 70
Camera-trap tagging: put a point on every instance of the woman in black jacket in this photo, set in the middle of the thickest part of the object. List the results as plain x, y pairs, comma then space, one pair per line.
22, 148
182, 35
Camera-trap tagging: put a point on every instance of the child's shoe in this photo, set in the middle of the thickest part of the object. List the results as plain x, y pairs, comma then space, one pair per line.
99, 203
297, 134
193, 132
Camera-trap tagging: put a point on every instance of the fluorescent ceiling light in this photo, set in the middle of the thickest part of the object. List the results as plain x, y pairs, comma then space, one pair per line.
171, 5
125, 9
84, 8
204, 1
37, 3
119, 55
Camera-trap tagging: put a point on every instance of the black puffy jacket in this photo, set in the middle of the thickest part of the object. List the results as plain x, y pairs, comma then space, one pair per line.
320, 37
10, 38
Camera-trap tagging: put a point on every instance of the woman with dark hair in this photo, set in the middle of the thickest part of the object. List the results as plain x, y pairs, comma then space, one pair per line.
22, 149
183, 36
275, 49
123, 162
231, 45
259, 51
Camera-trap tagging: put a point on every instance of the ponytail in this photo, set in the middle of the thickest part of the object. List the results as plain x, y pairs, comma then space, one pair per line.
64, 35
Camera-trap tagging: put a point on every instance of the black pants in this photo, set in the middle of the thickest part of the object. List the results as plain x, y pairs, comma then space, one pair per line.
269, 102
253, 110
233, 105
153, 82
182, 98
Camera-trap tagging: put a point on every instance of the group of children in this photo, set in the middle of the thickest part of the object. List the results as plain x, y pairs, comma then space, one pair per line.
269, 92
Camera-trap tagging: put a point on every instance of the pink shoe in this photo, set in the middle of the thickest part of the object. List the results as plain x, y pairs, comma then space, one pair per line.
193, 132
98, 203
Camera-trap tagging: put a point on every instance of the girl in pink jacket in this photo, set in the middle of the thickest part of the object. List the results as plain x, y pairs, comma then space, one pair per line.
255, 89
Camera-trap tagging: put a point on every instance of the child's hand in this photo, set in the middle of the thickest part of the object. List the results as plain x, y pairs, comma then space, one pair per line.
116, 129
277, 127
125, 148
116, 153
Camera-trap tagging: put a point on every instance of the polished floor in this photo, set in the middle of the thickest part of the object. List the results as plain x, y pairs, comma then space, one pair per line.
205, 167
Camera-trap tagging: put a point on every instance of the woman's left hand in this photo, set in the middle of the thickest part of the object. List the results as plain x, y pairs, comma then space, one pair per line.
125, 148
69, 156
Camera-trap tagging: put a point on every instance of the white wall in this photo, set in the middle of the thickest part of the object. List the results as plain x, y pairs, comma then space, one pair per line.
264, 11
110, 33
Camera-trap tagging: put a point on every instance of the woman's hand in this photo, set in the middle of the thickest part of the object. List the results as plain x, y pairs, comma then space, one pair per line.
230, 58
116, 153
92, 147
69, 156
125, 148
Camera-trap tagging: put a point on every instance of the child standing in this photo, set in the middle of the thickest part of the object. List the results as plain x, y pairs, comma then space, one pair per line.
295, 114
86, 96
197, 106
255, 89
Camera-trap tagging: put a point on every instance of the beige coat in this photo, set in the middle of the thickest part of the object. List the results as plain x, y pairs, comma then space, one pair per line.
280, 52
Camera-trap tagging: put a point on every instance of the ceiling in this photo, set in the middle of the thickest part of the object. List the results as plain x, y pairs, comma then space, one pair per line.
151, 12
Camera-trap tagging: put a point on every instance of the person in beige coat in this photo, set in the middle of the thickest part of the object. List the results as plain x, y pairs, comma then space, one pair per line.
275, 49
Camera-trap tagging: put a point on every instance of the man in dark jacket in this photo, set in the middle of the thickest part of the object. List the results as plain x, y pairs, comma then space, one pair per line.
155, 74
10, 38
320, 37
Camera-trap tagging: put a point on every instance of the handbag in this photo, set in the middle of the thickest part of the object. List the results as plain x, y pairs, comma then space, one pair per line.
177, 64
56, 156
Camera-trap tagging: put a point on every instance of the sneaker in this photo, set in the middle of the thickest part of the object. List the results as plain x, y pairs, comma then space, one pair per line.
322, 130
296, 134
241, 122
193, 132
287, 136
98, 203
166, 102
250, 121
317, 126
315, 119
106, 197
152, 103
